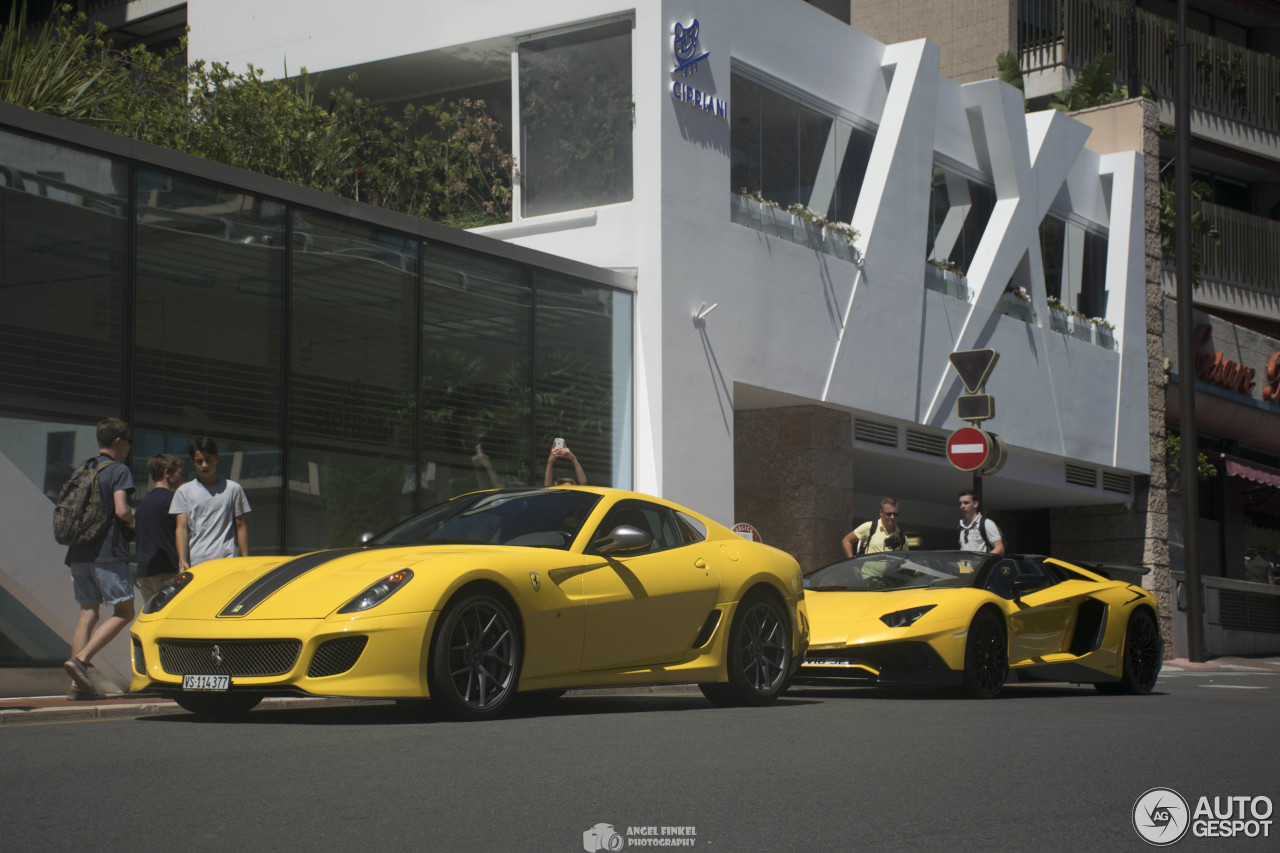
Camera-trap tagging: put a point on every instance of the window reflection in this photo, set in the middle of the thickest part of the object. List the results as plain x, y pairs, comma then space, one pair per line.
1075, 265
62, 268
959, 210
575, 119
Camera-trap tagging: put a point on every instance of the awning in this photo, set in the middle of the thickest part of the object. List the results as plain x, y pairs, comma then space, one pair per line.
1249, 470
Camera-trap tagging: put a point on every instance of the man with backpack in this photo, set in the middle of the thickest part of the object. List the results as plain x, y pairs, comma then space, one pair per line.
93, 518
882, 534
977, 533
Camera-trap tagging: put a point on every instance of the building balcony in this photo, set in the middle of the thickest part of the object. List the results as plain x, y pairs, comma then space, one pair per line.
1235, 92
1241, 272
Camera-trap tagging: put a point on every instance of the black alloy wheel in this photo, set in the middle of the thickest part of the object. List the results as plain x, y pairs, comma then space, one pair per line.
475, 658
759, 654
986, 656
1142, 657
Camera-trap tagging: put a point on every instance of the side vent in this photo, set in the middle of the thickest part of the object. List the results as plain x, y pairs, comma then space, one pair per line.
1119, 483
926, 443
708, 628
875, 432
1081, 475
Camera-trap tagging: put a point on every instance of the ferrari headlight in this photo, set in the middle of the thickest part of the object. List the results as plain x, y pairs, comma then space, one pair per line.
378, 593
905, 618
166, 593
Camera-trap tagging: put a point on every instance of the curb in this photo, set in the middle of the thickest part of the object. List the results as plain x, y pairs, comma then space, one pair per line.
157, 706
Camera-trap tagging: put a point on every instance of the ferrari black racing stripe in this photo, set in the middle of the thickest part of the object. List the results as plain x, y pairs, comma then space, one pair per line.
267, 585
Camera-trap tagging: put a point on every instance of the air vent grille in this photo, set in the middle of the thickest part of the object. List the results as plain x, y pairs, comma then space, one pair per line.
1081, 475
926, 443
1120, 483
875, 432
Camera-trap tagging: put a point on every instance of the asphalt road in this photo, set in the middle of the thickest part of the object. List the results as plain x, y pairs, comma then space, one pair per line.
1042, 768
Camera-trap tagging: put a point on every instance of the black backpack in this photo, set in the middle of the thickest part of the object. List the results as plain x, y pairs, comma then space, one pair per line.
81, 513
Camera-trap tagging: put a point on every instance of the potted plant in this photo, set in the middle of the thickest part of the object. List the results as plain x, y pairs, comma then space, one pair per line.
1081, 328
1015, 302
945, 276
1058, 315
1104, 333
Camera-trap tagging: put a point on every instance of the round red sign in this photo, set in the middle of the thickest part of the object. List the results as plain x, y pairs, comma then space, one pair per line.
747, 531
967, 448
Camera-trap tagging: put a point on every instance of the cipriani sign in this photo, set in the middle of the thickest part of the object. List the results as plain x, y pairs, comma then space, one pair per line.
688, 54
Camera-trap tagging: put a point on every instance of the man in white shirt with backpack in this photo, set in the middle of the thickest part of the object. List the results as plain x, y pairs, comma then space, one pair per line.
977, 533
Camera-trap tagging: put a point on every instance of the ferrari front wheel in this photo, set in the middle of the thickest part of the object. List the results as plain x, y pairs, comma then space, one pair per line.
1141, 659
986, 656
475, 659
759, 654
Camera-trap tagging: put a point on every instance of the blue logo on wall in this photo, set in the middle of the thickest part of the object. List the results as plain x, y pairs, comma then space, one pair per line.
688, 53
685, 47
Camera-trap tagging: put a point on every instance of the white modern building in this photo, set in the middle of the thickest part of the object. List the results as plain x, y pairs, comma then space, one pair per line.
665, 139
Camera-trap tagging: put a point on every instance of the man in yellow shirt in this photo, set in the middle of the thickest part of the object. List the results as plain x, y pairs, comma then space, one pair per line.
883, 534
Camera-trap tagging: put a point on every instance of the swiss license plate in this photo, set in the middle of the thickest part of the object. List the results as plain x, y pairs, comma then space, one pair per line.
215, 683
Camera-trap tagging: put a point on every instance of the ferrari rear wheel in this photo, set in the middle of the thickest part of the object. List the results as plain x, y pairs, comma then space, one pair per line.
1143, 654
986, 656
475, 659
759, 654
218, 704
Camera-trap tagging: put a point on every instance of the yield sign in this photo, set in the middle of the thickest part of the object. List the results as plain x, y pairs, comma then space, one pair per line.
967, 448
974, 366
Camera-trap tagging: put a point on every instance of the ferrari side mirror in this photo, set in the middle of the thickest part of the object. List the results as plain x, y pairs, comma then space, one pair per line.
623, 539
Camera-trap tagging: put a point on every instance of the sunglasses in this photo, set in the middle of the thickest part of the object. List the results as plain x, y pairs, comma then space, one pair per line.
889, 514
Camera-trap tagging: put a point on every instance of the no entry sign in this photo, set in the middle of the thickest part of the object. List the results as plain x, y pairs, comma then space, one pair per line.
967, 448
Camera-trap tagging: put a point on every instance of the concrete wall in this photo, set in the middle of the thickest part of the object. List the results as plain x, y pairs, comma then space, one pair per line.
971, 33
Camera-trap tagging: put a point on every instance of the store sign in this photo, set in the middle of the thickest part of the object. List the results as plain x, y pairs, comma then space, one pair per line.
688, 55
1215, 369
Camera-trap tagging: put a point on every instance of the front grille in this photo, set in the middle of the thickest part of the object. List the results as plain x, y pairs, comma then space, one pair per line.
139, 659
229, 657
336, 656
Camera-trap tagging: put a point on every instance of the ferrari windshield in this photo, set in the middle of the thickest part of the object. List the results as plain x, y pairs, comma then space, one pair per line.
535, 518
898, 570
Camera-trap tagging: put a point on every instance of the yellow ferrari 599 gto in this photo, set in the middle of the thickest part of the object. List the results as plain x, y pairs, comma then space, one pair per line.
480, 598
955, 617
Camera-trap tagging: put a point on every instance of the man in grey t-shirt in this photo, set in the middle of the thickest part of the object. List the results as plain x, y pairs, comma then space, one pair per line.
210, 511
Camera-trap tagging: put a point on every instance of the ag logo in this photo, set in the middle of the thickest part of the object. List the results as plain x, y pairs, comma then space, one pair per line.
1161, 817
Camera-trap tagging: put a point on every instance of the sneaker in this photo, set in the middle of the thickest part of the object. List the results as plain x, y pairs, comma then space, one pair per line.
79, 675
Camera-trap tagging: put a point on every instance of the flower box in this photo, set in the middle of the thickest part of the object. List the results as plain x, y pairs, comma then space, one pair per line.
1081, 328
1012, 305
1104, 337
1058, 321
946, 281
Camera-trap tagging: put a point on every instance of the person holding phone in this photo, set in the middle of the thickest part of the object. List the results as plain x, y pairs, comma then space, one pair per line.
560, 451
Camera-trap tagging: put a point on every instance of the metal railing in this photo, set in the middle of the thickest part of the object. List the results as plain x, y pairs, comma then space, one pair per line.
1247, 253
1227, 80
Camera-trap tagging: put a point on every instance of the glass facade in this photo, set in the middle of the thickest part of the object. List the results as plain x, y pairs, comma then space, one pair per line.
959, 210
1075, 265
350, 373
576, 119
790, 153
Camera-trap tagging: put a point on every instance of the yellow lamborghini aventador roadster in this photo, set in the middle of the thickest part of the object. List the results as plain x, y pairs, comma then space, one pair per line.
479, 598
955, 617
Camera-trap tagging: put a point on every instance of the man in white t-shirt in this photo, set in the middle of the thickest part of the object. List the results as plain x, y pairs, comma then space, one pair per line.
210, 511
977, 533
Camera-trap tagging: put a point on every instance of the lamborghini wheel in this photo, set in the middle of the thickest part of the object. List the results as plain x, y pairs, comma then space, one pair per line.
986, 656
1142, 657
218, 704
475, 658
759, 654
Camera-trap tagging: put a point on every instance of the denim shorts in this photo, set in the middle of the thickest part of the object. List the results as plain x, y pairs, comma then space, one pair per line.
108, 583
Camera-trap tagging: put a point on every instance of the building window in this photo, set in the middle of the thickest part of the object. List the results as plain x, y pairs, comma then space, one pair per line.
575, 119
790, 153
1075, 265
959, 209
62, 244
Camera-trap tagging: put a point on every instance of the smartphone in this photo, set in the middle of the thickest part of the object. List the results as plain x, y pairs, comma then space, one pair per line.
558, 445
